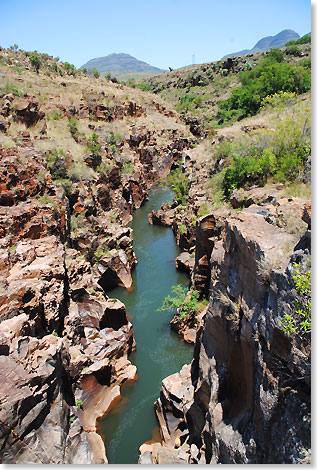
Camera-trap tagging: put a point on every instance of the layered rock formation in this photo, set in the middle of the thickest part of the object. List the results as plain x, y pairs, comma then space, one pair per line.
246, 396
64, 344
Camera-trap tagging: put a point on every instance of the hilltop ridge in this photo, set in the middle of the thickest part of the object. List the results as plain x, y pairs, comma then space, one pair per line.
120, 64
268, 42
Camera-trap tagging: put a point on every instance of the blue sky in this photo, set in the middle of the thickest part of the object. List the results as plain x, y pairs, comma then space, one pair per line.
161, 32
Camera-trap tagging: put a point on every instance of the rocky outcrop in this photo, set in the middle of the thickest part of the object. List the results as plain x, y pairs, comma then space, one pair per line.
250, 400
164, 216
64, 345
185, 262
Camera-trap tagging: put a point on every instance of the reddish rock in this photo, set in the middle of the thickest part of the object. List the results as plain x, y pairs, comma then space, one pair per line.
27, 112
164, 216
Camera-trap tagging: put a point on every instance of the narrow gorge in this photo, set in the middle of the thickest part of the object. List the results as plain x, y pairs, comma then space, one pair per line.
109, 197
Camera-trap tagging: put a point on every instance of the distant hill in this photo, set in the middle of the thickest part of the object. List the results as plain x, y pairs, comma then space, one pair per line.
121, 64
269, 42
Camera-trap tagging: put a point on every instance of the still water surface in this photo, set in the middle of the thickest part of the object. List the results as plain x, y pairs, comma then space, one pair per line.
160, 352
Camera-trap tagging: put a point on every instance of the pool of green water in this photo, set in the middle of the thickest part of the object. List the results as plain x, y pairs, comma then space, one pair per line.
160, 352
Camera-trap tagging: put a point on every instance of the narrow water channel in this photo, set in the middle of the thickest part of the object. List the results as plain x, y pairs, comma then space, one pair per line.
160, 352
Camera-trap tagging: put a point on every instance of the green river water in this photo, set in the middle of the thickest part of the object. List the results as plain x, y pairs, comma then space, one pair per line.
160, 352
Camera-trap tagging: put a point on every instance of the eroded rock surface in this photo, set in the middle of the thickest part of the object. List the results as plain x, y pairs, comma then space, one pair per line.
249, 383
64, 344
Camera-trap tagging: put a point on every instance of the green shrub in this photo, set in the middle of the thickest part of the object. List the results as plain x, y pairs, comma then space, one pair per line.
188, 101
300, 318
35, 61
10, 88
54, 67
186, 302
179, 184
127, 169
45, 199
182, 229
69, 68
78, 222
93, 145
104, 166
79, 172
101, 252
251, 169
144, 86
268, 77
303, 40
280, 153
293, 50
56, 163
73, 128
94, 72
279, 99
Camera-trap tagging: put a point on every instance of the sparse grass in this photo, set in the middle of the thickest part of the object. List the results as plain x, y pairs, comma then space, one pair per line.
80, 171
296, 189
47, 200
78, 222
101, 252
6, 141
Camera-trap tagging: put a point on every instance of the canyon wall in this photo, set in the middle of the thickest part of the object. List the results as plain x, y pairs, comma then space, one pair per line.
246, 396
64, 344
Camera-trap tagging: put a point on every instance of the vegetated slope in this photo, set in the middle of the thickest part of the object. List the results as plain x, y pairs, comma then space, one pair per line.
198, 92
120, 64
78, 155
244, 218
269, 42
241, 195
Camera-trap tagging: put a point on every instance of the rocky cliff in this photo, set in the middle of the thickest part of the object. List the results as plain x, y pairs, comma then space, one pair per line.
66, 197
246, 397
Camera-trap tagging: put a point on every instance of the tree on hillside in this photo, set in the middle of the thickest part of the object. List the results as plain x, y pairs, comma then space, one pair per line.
35, 62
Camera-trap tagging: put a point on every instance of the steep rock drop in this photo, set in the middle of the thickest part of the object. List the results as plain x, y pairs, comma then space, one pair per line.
246, 396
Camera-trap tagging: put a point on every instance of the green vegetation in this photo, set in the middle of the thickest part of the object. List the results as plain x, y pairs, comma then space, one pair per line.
144, 86
35, 61
113, 139
303, 40
13, 249
179, 184
279, 154
188, 101
73, 128
10, 88
56, 163
55, 115
293, 50
78, 222
69, 68
268, 77
127, 168
182, 229
94, 146
94, 72
186, 301
101, 252
79, 403
45, 199
300, 318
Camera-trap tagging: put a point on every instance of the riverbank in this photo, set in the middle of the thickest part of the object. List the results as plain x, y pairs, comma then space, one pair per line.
159, 351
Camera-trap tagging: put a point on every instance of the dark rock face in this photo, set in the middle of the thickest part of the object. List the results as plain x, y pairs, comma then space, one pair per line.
27, 112
250, 400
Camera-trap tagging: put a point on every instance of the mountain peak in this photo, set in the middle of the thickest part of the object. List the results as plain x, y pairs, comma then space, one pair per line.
268, 42
120, 64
